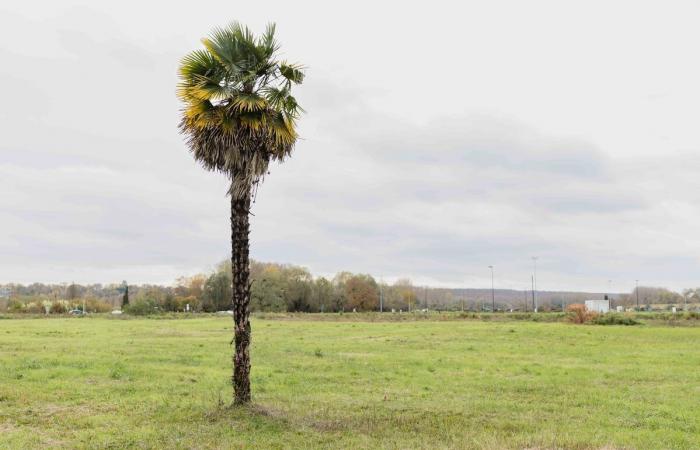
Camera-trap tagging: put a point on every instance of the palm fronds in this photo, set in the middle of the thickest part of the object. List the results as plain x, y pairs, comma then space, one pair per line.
238, 112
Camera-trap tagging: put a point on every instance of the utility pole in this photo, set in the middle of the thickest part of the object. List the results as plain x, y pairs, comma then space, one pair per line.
426, 297
637, 290
493, 295
534, 282
534, 305
381, 297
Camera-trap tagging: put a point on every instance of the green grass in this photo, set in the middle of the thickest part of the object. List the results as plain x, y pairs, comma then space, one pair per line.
101, 383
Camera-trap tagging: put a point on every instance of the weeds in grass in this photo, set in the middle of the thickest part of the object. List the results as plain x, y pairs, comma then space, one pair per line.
117, 372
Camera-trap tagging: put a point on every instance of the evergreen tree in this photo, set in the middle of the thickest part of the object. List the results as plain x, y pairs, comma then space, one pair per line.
125, 298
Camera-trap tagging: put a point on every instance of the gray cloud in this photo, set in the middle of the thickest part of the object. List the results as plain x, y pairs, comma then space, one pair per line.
98, 186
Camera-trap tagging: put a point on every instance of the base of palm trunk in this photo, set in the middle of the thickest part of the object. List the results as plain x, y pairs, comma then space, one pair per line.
241, 365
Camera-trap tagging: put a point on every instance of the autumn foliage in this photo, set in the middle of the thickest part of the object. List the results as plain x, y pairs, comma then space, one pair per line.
578, 313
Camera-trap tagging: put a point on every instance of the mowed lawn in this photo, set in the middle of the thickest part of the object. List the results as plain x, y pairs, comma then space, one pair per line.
146, 383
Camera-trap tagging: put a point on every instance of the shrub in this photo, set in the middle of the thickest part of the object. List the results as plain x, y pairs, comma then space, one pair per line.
96, 306
15, 306
35, 308
58, 307
578, 313
182, 302
141, 308
615, 319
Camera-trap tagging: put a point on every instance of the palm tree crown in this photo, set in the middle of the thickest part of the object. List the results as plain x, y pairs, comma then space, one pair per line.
239, 113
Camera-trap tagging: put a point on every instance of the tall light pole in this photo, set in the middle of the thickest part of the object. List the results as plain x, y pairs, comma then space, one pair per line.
637, 290
534, 281
381, 297
493, 295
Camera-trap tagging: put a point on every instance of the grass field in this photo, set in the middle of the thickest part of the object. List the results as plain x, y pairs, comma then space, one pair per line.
146, 383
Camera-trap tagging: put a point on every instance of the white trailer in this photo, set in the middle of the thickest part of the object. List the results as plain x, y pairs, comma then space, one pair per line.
599, 306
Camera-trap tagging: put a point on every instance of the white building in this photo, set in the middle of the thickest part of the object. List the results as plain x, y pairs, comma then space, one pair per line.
599, 306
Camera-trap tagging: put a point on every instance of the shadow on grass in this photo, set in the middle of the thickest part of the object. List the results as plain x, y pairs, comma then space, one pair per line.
253, 416
259, 417
371, 421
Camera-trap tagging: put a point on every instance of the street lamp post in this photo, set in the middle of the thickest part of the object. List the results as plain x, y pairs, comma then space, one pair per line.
534, 281
493, 295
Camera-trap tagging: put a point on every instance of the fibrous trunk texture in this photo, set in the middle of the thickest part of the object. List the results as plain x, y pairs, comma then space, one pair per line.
240, 227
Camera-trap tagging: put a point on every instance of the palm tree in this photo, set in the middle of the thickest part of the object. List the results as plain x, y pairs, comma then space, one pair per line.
238, 116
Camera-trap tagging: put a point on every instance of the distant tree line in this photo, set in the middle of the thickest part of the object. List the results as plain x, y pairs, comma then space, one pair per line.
285, 287
289, 288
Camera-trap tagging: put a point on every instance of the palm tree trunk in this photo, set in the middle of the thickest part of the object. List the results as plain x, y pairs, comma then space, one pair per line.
240, 228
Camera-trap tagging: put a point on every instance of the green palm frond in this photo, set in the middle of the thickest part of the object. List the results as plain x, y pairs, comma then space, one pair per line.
267, 41
223, 45
291, 107
292, 72
198, 63
276, 96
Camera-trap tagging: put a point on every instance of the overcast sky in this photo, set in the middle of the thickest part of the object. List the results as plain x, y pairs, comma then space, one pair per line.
438, 139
